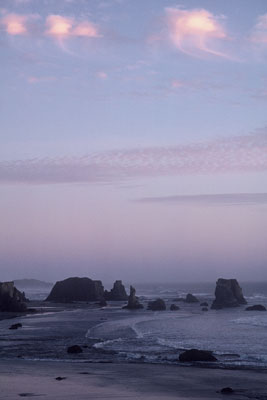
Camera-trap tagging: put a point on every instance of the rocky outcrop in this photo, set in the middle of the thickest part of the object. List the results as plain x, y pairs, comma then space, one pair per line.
197, 355
11, 299
190, 298
174, 307
228, 293
133, 302
76, 289
157, 305
117, 293
256, 307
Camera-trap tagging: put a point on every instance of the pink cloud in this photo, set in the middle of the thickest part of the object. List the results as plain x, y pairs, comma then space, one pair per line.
61, 27
102, 75
239, 154
259, 34
195, 32
15, 24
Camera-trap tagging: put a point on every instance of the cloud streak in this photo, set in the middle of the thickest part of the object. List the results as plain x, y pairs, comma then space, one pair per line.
259, 34
60, 27
231, 199
195, 32
239, 154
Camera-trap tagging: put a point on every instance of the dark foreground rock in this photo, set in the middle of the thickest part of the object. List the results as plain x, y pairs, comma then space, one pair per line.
227, 390
157, 305
15, 326
133, 302
76, 289
11, 299
197, 355
228, 293
190, 298
117, 293
75, 349
256, 307
174, 307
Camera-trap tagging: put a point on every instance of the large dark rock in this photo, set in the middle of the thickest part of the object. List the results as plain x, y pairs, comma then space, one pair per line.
157, 305
256, 307
197, 355
117, 293
76, 289
133, 302
228, 293
190, 298
11, 299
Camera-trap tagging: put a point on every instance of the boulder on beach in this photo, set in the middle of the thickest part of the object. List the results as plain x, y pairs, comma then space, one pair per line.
76, 289
75, 349
228, 293
256, 307
174, 307
227, 390
190, 298
157, 305
117, 293
197, 355
11, 299
133, 302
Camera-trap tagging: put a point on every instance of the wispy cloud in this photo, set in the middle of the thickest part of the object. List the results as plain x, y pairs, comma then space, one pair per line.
239, 154
61, 27
195, 32
259, 33
210, 199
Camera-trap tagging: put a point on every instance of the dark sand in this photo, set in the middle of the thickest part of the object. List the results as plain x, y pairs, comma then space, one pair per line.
24, 379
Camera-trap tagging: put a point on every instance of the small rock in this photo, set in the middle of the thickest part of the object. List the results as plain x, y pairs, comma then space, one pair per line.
204, 304
197, 355
74, 349
174, 307
157, 305
227, 390
205, 309
15, 326
60, 378
190, 298
256, 307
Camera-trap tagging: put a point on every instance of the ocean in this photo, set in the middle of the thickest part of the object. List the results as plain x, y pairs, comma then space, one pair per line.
237, 337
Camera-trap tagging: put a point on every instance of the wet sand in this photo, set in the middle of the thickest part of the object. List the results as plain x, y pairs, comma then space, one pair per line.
25, 379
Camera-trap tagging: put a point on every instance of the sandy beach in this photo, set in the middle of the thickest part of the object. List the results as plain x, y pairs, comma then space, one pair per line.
21, 378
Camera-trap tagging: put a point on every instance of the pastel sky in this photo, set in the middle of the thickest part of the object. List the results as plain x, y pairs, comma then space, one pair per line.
133, 140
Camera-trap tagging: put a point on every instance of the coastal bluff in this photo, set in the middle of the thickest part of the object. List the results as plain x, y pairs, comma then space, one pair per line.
76, 289
11, 299
228, 293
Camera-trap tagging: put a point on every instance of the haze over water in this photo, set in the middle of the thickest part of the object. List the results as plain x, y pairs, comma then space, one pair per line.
133, 140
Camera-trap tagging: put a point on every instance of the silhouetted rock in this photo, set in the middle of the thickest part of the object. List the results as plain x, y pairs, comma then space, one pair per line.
76, 289
11, 299
204, 304
256, 307
60, 378
174, 307
197, 355
157, 305
133, 302
15, 326
75, 349
102, 303
227, 390
117, 293
190, 298
205, 309
228, 293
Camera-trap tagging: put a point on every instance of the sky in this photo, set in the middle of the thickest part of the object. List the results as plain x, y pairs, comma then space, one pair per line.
133, 139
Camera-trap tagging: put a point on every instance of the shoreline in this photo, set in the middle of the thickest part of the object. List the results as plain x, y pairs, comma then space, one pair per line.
22, 378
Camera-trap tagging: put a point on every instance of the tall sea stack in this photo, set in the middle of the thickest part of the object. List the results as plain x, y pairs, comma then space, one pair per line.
228, 293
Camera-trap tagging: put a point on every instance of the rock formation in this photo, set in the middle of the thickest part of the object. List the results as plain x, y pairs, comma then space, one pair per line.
11, 299
190, 298
197, 355
117, 293
157, 305
133, 302
228, 293
76, 289
174, 307
256, 307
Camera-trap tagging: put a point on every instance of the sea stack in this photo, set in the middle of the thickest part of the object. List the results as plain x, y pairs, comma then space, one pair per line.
117, 293
133, 302
76, 289
11, 299
228, 293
